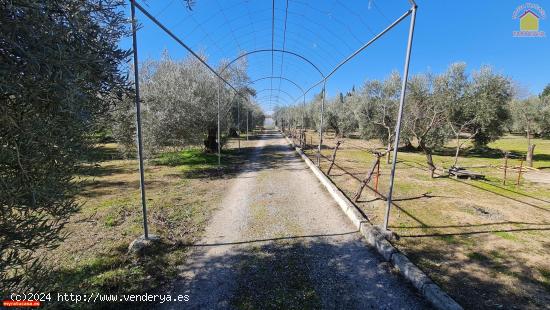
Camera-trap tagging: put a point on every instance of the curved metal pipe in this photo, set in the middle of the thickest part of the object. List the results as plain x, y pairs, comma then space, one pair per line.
280, 78
273, 100
282, 91
272, 50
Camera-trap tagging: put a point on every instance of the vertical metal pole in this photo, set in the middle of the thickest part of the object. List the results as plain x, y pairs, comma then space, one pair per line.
239, 122
138, 122
303, 142
519, 172
377, 175
218, 134
247, 113
400, 115
505, 168
321, 124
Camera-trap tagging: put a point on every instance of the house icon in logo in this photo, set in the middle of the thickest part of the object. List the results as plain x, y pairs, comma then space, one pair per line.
529, 15
529, 21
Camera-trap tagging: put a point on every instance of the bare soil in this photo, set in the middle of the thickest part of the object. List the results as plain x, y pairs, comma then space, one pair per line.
279, 241
538, 177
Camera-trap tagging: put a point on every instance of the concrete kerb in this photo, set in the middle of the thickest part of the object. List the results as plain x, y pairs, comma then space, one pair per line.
376, 238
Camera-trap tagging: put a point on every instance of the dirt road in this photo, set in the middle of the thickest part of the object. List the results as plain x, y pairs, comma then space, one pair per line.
278, 240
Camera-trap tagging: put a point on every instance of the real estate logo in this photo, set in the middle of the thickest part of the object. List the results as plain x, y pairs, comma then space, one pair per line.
529, 16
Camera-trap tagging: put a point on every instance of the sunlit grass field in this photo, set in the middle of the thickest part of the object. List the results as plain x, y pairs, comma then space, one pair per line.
479, 239
182, 190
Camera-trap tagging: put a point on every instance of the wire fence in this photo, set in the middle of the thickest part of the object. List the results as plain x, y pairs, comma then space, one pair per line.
361, 169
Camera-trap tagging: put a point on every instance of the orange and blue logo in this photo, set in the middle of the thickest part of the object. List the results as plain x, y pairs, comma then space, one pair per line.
529, 16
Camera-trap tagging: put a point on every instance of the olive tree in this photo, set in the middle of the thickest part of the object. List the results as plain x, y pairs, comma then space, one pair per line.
180, 104
425, 118
531, 115
377, 113
340, 115
491, 94
453, 89
60, 74
545, 92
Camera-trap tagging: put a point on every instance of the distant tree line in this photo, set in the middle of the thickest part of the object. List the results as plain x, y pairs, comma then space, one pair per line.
453, 106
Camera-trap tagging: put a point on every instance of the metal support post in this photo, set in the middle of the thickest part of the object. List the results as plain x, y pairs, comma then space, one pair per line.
138, 122
219, 141
239, 123
400, 115
321, 124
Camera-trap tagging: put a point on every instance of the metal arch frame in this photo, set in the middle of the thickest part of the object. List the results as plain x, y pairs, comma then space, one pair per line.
364, 46
275, 101
178, 40
272, 77
324, 79
292, 99
269, 9
318, 54
280, 78
412, 12
134, 4
282, 91
265, 50
265, 98
138, 121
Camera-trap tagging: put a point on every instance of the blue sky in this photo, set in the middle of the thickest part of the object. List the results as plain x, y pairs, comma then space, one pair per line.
325, 32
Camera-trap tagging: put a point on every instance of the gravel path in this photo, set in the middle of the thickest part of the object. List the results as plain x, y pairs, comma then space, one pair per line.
280, 241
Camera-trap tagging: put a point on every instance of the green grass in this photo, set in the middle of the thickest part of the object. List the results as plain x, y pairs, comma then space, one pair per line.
505, 235
115, 272
449, 239
478, 256
518, 145
192, 158
110, 221
545, 274
94, 257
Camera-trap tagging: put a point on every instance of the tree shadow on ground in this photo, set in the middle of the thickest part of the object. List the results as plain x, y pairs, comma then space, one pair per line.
114, 273
98, 188
541, 157
101, 153
252, 136
474, 225
247, 159
474, 287
473, 184
481, 152
97, 170
298, 272
425, 235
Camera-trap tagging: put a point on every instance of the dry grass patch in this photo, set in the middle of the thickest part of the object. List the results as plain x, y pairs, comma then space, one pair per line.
183, 189
486, 243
